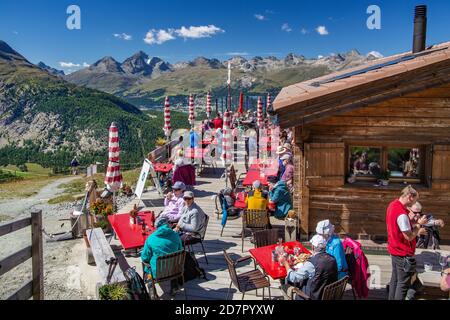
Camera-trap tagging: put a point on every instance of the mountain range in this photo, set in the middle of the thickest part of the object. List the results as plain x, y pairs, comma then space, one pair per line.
145, 81
42, 115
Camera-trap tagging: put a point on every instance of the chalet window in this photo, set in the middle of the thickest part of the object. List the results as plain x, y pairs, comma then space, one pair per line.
405, 163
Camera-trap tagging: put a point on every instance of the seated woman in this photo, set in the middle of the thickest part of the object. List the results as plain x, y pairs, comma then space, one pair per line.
174, 203
280, 195
257, 199
161, 242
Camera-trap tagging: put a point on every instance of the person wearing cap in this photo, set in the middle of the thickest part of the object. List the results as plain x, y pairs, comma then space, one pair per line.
280, 195
174, 202
316, 273
257, 199
161, 242
281, 151
334, 246
192, 221
288, 175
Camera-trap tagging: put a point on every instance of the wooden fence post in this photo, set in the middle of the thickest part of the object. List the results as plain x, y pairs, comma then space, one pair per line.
37, 258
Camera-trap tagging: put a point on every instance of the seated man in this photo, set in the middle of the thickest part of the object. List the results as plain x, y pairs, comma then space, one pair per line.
174, 203
257, 199
161, 242
316, 273
280, 195
192, 221
334, 246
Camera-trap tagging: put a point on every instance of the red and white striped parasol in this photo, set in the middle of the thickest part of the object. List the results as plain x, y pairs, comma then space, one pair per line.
167, 126
113, 178
226, 140
191, 110
208, 105
269, 102
259, 114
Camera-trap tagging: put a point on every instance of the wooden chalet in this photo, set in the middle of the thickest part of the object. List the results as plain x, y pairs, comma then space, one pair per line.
395, 113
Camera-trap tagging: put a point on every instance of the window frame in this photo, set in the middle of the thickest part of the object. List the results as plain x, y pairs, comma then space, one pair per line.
384, 148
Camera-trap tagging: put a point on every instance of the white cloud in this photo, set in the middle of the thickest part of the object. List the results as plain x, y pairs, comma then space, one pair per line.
198, 32
15, 32
159, 36
260, 17
304, 31
86, 65
322, 30
123, 36
69, 65
285, 27
319, 56
376, 54
237, 54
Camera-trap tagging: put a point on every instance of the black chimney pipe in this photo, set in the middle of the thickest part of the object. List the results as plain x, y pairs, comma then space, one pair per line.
420, 28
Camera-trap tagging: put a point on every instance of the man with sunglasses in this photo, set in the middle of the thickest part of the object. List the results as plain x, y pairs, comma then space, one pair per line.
431, 235
402, 233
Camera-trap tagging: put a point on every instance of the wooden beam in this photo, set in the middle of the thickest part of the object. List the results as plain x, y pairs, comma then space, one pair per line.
11, 226
24, 293
37, 255
102, 252
14, 260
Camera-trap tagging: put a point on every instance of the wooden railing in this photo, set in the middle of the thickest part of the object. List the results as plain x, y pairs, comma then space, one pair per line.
35, 287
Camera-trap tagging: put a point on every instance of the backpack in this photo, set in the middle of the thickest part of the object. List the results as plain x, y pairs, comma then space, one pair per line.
136, 285
192, 269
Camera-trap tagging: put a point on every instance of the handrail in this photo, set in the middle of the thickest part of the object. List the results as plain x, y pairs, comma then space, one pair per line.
35, 287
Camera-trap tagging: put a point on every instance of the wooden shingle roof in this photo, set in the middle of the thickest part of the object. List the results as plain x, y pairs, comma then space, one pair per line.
371, 83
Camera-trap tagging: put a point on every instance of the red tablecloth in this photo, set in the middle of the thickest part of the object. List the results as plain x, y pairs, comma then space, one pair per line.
254, 173
131, 235
263, 257
163, 167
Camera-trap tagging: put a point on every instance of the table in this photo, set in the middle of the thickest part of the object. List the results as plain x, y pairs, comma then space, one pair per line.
263, 257
254, 173
429, 278
163, 167
197, 153
131, 235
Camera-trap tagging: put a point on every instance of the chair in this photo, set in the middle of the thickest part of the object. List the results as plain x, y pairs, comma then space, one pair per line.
232, 212
265, 237
199, 239
168, 267
247, 281
351, 262
333, 291
236, 183
254, 220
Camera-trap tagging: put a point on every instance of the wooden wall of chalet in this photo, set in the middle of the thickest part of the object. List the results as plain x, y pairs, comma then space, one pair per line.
421, 118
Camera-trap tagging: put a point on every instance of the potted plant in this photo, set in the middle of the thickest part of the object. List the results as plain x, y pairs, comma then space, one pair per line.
102, 210
384, 178
114, 291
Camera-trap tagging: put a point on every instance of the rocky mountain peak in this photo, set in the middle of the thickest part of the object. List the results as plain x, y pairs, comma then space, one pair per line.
53, 71
205, 62
137, 64
8, 53
106, 64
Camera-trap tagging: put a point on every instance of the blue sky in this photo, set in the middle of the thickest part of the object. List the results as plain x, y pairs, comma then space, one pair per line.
215, 29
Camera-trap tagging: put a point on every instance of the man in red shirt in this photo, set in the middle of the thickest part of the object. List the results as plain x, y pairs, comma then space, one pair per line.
402, 235
218, 121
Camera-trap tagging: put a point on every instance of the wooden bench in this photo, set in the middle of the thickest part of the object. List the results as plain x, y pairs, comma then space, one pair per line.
102, 252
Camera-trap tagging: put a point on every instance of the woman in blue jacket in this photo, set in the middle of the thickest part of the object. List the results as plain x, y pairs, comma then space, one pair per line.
334, 246
280, 195
161, 242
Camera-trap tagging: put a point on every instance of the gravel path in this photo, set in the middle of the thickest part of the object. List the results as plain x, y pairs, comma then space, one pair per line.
64, 261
